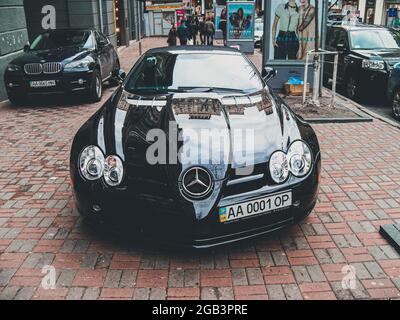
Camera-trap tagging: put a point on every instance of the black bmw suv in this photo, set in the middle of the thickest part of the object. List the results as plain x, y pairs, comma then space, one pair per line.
367, 54
63, 60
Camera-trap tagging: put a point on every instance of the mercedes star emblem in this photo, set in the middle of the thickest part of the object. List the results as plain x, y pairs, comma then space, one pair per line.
196, 183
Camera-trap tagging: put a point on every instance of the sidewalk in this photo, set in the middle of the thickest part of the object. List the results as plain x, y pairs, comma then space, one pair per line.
39, 225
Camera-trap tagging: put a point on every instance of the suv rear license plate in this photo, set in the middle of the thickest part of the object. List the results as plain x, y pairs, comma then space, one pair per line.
255, 207
42, 83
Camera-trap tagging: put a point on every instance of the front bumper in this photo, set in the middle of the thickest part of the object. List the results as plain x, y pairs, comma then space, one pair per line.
376, 81
18, 83
163, 219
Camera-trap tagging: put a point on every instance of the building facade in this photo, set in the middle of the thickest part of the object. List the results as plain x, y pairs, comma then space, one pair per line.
379, 12
22, 20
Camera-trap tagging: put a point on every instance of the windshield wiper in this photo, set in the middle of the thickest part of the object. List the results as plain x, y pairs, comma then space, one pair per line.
154, 90
209, 89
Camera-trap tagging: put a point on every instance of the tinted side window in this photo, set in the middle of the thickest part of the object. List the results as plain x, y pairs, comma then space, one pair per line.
343, 38
336, 36
332, 38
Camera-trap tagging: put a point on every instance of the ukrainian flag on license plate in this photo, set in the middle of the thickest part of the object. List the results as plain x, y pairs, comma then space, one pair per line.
222, 214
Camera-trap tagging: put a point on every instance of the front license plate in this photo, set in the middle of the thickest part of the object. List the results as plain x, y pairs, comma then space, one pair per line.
255, 207
42, 83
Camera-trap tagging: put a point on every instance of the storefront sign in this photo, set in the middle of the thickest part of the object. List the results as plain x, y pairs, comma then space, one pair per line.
159, 7
292, 28
180, 14
369, 11
220, 15
240, 22
392, 12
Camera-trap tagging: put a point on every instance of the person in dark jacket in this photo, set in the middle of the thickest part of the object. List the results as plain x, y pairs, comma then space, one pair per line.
222, 24
189, 26
172, 35
203, 30
210, 27
183, 33
195, 29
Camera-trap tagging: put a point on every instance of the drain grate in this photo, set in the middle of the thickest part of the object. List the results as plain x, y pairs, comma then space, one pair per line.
391, 232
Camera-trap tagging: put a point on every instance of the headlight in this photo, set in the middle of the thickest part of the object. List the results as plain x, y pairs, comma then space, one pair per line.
300, 159
278, 166
91, 163
13, 68
113, 170
79, 64
373, 64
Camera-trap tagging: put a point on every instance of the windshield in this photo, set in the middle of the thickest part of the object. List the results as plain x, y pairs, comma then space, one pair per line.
375, 39
164, 72
62, 38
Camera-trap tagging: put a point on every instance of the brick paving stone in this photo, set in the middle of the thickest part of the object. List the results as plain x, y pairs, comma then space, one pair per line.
292, 292
158, 294
275, 292
254, 276
91, 294
40, 226
75, 293
89, 278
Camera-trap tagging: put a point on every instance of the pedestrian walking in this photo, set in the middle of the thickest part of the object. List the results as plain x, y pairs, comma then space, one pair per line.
189, 26
195, 29
183, 33
203, 30
172, 35
222, 24
210, 29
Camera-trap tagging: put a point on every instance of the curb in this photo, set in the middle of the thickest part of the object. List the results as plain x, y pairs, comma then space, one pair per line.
338, 120
370, 113
4, 103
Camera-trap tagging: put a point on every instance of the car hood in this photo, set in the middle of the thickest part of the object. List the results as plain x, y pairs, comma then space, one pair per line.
63, 55
391, 54
255, 124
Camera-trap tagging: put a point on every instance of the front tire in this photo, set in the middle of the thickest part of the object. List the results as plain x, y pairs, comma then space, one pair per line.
396, 104
96, 87
352, 87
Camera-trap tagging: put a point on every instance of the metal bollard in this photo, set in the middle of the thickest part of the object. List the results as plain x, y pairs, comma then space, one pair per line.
140, 48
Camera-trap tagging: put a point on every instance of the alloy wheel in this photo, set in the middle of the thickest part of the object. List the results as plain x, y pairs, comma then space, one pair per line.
98, 87
396, 104
351, 88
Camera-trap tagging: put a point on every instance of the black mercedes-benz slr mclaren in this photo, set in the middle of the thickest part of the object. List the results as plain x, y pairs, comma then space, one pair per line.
194, 149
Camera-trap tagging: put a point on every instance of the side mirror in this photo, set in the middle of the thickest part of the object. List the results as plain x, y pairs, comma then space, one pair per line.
268, 73
101, 44
26, 47
121, 74
341, 47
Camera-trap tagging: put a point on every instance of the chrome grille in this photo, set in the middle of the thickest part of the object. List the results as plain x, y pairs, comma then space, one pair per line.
51, 67
33, 68
46, 68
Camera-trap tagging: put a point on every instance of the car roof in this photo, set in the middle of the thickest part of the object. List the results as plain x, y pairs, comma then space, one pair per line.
357, 26
195, 49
